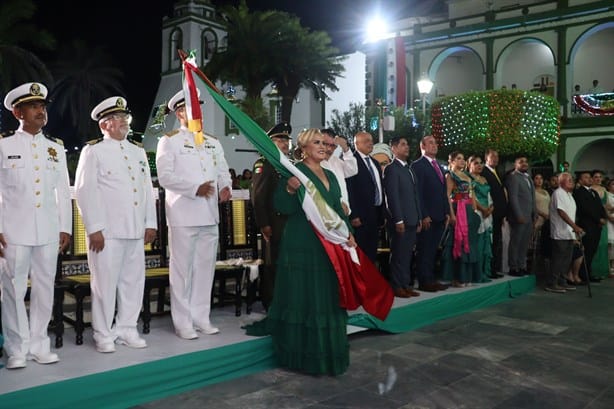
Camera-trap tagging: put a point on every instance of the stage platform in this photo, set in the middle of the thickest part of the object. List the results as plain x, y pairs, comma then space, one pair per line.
170, 365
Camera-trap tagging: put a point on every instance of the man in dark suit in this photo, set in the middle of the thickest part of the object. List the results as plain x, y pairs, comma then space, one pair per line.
366, 196
403, 217
270, 221
499, 198
590, 215
521, 215
435, 211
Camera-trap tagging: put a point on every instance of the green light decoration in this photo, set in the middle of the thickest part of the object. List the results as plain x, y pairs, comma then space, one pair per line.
509, 121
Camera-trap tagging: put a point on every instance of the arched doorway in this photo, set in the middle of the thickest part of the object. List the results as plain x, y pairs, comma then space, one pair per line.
457, 70
522, 61
596, 155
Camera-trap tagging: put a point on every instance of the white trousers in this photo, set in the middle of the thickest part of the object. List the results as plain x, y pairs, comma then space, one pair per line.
39, 263
117, 274
192, 267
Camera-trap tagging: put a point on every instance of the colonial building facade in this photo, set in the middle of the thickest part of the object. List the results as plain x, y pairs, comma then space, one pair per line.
550, 46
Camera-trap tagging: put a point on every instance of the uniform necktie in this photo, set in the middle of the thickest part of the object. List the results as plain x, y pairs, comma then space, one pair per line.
372, 172
438, 170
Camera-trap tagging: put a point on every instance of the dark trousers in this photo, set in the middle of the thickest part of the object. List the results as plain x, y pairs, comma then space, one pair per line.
590, 241
428, 242
497, 246
559, 266
367, 237
267, 273
401, 252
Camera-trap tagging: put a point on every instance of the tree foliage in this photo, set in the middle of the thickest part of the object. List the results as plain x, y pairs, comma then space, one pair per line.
17, 63
272, 48
85, 76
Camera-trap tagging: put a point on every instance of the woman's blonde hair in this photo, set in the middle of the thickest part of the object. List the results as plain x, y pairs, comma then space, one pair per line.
303, 139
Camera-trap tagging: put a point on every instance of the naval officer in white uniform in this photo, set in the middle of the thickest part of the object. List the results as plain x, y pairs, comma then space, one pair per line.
115, 196
196, 178
35, 223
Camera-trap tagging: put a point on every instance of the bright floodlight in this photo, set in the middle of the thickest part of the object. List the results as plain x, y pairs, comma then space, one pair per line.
425, 85
376, 29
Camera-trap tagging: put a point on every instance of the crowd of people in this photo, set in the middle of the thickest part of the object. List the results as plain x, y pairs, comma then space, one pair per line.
447, 226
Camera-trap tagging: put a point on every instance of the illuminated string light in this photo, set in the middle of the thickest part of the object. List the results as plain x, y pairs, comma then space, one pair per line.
509, 121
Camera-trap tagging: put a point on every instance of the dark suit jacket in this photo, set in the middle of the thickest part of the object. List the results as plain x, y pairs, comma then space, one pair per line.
497, 192
361, 191
402, 199
432, 192
589, 208
264, 182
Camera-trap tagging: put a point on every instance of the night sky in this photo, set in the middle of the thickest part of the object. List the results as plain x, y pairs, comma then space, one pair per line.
131, 30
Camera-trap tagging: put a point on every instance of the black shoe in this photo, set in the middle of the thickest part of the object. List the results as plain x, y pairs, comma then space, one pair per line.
595, 280
524, 272
516, 273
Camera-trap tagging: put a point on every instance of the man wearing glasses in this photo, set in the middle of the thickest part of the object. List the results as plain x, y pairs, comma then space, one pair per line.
115, 196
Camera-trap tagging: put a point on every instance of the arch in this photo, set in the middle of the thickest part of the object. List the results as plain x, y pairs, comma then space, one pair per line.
446, 76
585, 35
436, 63
601, 147
208, 44
175, 43
507, 48
543, 64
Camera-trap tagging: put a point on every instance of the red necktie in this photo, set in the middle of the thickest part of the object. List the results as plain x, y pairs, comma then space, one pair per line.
438, 170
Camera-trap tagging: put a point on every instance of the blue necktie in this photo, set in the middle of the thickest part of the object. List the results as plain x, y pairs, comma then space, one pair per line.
372, 172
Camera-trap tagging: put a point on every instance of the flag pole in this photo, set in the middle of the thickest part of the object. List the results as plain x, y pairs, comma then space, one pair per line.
183, 55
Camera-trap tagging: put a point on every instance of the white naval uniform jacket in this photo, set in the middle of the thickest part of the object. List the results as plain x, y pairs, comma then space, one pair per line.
113, 189
182, 168
34, 190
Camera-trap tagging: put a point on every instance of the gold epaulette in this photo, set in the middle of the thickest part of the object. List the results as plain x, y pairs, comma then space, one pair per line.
6, 134
171, 133
94, 141
139, 144
52, 139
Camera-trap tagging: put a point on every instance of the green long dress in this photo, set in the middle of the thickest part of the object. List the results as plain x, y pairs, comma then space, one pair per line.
601, 263
481, 274
306, 323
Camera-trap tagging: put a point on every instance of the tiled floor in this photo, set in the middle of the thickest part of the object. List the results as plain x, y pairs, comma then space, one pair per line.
543, 350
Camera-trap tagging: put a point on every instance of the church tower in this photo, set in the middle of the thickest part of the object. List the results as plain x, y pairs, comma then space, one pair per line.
194, 25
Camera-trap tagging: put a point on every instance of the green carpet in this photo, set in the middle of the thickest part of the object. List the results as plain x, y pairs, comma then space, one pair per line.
133, 385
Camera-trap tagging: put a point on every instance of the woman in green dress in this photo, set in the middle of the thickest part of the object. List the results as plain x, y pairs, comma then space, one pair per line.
306, 323
601, 264
485, 207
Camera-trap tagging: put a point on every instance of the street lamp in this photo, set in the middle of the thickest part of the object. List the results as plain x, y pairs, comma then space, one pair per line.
424, 87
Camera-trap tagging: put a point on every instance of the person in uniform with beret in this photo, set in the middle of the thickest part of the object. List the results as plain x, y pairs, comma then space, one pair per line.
196, 177
35, 223
115, 196
270, 222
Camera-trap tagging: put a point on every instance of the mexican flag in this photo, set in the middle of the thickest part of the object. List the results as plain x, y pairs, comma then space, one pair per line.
360, 283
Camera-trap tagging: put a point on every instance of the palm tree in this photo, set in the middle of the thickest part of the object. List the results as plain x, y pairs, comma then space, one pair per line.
303, 58
17, 63
85, 76
244, 60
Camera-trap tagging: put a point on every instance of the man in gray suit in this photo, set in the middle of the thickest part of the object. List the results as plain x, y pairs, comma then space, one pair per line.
521, 215
403, 217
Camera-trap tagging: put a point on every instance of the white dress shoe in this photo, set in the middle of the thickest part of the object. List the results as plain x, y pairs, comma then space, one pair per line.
44, 358
16, 362
207, 329
133, 341
186, 333
105, 347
